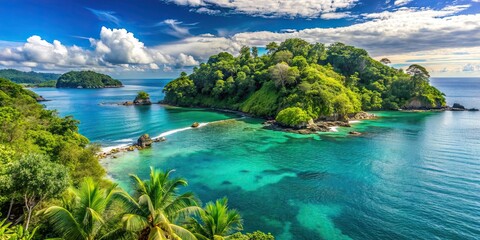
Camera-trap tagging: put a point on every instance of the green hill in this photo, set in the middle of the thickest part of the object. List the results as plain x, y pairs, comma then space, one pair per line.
27, 77
86, 79
323, 81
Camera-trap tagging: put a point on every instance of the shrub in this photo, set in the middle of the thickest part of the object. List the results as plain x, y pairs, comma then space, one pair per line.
293, 117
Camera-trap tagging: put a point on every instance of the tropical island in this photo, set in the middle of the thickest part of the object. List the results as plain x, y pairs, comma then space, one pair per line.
87, 79
296, 82
53, 186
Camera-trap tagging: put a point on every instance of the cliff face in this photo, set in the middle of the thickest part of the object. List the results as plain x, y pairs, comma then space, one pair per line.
422, 103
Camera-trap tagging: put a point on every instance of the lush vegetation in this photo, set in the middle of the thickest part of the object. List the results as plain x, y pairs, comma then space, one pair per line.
142, 95
52, 186
86, 79
27, 77
293, 116
321, 80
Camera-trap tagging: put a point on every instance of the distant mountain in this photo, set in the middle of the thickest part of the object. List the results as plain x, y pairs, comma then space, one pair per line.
87, 79
27, 77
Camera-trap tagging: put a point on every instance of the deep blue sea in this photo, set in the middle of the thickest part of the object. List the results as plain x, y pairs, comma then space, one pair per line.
409, 176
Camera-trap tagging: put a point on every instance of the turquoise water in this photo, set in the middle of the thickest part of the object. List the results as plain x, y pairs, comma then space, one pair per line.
409, 176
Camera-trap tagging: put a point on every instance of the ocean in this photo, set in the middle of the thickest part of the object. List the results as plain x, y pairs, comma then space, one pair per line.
408, 176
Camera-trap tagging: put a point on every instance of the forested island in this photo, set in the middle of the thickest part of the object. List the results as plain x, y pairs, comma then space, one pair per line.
295, 82
34, 79
87, 79
52, 186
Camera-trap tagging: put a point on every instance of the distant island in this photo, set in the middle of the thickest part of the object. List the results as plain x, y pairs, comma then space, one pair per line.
30, 79
298, 83
87, 79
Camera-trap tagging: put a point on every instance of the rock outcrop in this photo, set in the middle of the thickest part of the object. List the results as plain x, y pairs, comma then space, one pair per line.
418, 103
195, 125
144, 141
142, 101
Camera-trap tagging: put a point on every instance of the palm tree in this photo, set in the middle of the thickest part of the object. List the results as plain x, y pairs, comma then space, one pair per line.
159, 207
216, 221
82, 216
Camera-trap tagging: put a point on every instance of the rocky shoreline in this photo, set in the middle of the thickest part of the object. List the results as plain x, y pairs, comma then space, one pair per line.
143, 142
324, 125
456, 107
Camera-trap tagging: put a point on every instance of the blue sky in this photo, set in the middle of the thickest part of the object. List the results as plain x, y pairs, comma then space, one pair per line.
160, 38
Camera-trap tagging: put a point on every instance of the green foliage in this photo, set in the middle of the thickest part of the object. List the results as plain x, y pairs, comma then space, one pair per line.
39, 151
34, 178
83, 213
293, 117
142, 95
257, 235
50, 83
27, 77
323, 81
216, 221
86, 79
263, 102
157, 207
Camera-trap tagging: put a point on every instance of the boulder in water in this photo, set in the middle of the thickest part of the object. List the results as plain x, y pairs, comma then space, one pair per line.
458, 106
144, 141
195, 125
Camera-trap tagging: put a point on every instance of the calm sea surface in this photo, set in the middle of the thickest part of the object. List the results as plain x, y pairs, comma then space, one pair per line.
409, 176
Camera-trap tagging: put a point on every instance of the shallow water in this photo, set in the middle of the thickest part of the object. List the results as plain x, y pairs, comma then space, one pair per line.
409, 176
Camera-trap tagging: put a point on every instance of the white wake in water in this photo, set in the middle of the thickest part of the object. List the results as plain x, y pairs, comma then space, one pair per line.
129, 141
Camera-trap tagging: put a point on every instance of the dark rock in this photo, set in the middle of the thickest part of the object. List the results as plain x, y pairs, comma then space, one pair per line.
160, 139
354, 133
128, 103
473, 110
195, 125
40, 99
362, 116
144, 141
457, 105
142, 101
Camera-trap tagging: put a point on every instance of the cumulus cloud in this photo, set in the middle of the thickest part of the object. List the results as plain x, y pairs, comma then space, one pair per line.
400, 31
115, 49
117, 46
270, 8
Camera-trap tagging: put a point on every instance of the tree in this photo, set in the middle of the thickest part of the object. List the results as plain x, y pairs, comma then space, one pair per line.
35, 179
283, 74
82, 215
255, 52
142, 95
156, 207
216, 221
420, 78
283, 56
293, 117
385, 61
272, 47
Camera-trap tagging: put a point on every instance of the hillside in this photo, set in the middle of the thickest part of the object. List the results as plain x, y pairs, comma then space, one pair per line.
322, 81
27, 77
86, 79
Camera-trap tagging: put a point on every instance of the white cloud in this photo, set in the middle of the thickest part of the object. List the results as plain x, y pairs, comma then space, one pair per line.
176, 28
400, 31
107, 16
444, 40
402, 2
115, 49
271, 8
117, 46
336, 15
